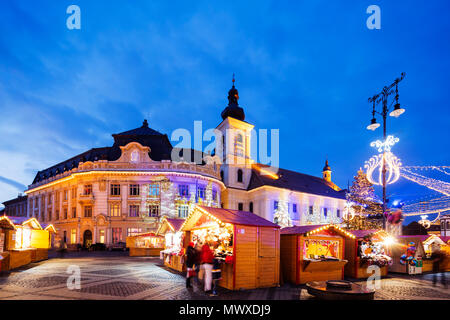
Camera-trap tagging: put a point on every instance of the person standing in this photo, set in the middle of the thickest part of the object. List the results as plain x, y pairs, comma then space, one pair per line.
438, 258
207, 257
190, 261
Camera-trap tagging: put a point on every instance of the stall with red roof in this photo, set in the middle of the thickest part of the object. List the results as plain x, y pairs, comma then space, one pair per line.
313, 253
369, 247
173, 252
248, 245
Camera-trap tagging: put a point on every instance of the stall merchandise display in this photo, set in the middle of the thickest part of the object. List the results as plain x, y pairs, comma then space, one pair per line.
373, 253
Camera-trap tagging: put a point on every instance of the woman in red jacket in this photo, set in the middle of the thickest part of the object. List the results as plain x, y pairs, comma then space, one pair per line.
207, 257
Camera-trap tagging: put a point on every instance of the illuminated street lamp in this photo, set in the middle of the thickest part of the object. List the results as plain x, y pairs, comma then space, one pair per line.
382, 98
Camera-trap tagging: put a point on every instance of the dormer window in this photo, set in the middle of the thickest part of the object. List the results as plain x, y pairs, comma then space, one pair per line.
135, 156
239, 175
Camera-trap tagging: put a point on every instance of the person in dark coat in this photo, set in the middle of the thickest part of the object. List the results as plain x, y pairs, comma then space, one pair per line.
191, 256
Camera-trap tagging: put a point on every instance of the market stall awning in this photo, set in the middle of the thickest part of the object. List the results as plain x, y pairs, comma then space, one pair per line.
234, 217
312, 229
6, 223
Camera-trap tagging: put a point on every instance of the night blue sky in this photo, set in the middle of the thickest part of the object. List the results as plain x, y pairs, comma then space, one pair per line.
306, 68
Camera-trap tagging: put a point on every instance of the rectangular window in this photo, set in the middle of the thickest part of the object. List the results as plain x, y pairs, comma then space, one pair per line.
338, 213
74, 213
275, 205
153, 210
183, 190
214, 194
49, 215
116, 235
201, 192
87, 189
115, 190
133, 231
240, 206
134, 189
65, 213
88, 211
134, 210
294, 208
73, 236
74, 192
183, 210
102, 236
325, 212
49, 199
56, 214
114, 210
66, 195
153, 189
311, 210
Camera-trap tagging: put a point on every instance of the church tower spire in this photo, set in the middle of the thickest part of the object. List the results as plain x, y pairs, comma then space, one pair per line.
233, 110
326, 172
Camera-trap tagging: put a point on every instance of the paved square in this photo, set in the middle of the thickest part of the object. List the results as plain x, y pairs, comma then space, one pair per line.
115, 275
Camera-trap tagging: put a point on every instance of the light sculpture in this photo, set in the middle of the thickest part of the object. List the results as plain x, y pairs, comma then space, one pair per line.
374, 165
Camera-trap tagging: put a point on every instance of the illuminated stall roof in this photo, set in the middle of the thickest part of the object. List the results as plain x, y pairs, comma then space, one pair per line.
6, 223
169, 224
360, 234
25, 221
313, 229
221, 215
49, 228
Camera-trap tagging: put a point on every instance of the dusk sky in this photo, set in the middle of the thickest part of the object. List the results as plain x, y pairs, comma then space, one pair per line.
304, 67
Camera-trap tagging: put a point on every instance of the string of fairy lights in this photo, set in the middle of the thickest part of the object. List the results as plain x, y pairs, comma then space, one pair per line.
431, 183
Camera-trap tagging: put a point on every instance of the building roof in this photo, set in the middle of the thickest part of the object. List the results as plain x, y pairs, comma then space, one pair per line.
295, 181
237, 217
159, 144
233, 109
19, 199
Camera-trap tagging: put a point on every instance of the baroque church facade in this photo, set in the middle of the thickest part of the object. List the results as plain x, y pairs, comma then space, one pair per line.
106, 194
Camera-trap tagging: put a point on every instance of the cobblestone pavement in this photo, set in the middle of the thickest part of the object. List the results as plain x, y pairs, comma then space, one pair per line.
117, 276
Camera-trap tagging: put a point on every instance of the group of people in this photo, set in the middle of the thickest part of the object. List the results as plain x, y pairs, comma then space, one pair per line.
200, 261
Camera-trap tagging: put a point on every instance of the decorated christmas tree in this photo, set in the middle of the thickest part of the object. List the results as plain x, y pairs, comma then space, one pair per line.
281, 215
363, 210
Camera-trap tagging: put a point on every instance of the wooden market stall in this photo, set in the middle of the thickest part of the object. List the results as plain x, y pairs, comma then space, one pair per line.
431, 244
407, 255
247, 245
145, 245
369, 247
7, 228
27, 243
173, 243
313, 253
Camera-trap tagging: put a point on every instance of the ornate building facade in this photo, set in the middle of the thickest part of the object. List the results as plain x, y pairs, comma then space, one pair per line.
106, 194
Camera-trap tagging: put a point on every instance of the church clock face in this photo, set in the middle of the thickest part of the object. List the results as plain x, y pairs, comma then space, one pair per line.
135, 156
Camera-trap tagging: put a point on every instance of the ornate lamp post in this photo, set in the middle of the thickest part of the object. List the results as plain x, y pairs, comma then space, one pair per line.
382, 98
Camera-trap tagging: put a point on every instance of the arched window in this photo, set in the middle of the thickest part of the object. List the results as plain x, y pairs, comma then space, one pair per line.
221, 175
239, 175
239, 145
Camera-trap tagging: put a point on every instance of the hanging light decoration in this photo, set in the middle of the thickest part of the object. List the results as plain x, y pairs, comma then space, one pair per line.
374, 165
424, 221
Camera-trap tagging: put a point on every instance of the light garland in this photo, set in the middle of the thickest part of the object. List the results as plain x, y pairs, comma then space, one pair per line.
326, 227
433, 184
